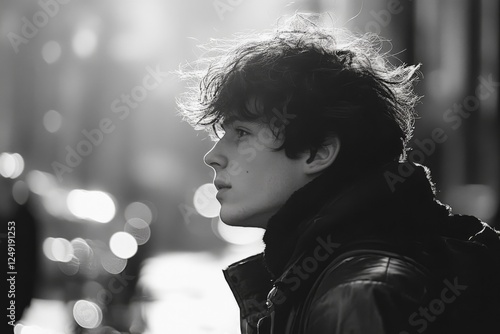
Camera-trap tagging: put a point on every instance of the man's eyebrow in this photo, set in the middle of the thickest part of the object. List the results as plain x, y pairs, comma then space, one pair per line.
230, 121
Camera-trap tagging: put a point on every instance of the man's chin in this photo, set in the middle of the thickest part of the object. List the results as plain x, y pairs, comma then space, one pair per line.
238, 221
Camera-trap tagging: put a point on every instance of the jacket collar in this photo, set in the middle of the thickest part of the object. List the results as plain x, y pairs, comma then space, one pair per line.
376, 202
283, 229
250, 283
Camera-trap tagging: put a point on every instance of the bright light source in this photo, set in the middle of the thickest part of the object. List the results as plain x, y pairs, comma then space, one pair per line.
138, 210
62, 250
11, 165
19, 165
238, 235
18, 328
26, 329
7, 165
52, 121
47, 248
87, 314
139, 229
77, 204
123, 245
91, 205
51, 52
84, 42
58, 249
205, 202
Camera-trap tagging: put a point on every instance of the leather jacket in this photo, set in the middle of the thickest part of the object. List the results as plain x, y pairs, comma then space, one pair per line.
370, 259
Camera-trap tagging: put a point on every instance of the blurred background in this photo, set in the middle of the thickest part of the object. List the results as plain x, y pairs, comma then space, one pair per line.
115, 218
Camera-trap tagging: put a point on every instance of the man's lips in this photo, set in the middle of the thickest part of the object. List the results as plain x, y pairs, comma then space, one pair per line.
221, 191
221, 185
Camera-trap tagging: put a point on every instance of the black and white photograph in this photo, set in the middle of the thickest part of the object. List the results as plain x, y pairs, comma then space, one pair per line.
250, 166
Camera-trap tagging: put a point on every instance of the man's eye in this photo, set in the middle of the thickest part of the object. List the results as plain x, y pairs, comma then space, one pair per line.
240, 133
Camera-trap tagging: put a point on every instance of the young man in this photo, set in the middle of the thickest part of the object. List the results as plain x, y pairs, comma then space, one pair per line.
311, 128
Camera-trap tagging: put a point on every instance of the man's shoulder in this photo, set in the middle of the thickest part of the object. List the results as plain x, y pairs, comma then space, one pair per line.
391, 287
375, 268
381, 287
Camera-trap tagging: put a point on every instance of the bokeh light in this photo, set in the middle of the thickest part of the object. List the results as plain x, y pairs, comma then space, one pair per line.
87, 314
84, 42
70, 267
54, 201
91, 205
205, 202
20, 192
139, 210
20, 328
52, 121
112, 263
58, 249
7, 165
47, 248
139, 229
51, 52
39, 182
19, 165
237, 235
81, 249
62, 250
123, 245
11, 165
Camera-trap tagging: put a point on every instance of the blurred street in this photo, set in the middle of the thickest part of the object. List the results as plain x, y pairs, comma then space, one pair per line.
171, 298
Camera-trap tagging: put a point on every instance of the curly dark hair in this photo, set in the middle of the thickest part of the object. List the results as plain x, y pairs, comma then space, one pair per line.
332, 82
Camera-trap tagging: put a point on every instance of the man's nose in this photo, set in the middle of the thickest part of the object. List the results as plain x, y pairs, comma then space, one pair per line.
215, 157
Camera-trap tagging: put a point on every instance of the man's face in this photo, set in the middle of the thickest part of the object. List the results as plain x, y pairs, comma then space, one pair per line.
253, 181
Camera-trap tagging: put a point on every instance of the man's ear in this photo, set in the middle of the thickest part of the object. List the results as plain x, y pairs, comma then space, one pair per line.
324, 157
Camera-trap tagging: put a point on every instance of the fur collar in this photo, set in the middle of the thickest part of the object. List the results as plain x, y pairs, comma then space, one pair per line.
379, 202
